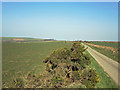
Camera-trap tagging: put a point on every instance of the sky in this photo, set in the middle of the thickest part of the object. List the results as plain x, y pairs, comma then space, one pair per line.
61, 20
60, 0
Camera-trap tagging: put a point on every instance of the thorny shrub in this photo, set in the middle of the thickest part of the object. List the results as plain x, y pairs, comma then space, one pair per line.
64, 68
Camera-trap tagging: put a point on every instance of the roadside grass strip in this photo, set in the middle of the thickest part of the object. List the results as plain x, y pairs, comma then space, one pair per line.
105, 80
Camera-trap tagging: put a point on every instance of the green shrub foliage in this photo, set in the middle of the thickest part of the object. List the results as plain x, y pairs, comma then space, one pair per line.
64, 67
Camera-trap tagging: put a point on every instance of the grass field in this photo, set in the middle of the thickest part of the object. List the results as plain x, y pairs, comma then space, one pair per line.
21, 58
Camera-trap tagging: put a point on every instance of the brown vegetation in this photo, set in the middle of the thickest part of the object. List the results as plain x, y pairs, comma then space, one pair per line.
18, 39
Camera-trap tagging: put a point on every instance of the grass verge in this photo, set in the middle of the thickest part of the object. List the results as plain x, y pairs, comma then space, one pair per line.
105, 80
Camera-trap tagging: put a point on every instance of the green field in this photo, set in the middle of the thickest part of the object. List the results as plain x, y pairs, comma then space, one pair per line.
109, 44
21, 58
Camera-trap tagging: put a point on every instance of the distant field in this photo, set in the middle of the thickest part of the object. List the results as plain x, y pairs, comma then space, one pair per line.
11, 38
25, 39
109, 44
21, 58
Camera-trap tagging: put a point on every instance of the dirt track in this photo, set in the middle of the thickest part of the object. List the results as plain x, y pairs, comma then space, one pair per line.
110, 66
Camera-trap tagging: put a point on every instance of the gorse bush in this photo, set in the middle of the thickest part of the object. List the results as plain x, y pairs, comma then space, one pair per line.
18, 82
64, 68
90, 78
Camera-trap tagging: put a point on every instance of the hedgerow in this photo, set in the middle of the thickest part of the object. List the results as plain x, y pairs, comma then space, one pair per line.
64, 68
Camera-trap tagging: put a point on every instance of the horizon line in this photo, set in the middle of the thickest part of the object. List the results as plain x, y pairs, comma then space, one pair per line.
55, 39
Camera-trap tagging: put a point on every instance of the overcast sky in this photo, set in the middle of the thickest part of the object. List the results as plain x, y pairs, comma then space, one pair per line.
61, 21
